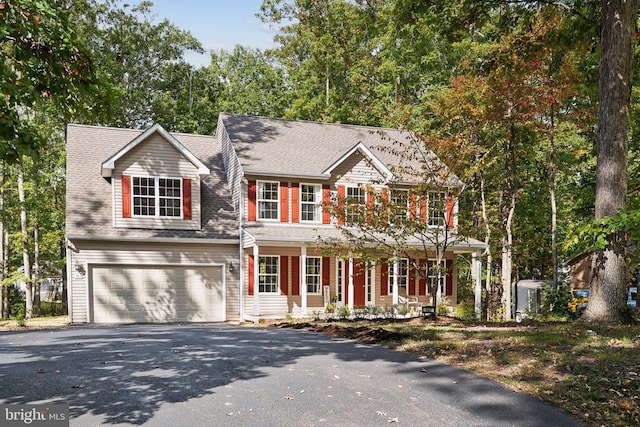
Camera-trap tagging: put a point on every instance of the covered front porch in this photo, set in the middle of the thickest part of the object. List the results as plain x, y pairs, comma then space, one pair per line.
284, 277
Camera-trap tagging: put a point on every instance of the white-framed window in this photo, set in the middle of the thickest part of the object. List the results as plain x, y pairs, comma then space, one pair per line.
432, 276
369, 280
313, 274
339, 278
268, 267
399, 204
356, 204
436, 206
268, 199
157, 197
403, 274
310, 202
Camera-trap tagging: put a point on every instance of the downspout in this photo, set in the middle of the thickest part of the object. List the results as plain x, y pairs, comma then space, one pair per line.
69, 282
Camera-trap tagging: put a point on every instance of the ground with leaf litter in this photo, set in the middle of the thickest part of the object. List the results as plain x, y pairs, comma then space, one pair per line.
590, 371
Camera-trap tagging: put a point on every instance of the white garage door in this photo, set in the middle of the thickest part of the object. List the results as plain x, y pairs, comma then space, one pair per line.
123, 294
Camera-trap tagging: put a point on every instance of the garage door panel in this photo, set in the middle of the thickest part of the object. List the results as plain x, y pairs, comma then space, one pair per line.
156, 294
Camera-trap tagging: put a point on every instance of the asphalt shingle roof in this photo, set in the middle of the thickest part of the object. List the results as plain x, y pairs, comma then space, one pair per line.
89, 195
298, 147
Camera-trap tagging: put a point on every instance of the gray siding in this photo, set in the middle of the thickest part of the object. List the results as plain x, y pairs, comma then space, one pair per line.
156, 157
152, 254
231, 165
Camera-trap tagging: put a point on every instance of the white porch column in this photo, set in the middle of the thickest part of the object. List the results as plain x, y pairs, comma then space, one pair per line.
476, 273
303, 279
256, 284
394, 290
350, 299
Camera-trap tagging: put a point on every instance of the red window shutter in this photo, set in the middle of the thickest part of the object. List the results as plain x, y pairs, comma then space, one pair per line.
284, 202
449, 273
295, 275
295, 202
341, 206
186, 198
371, 199
126, 196
284, 275
384, 278
251, 273
326, 204
450, 207
385, 203
413, 203
252, 201
326, 270
412, 279
423, 210
422, 282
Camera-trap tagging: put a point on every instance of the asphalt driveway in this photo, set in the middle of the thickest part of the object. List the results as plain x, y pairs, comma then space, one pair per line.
219, 375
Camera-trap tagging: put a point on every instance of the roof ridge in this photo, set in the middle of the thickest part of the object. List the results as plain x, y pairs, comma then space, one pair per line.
315, 122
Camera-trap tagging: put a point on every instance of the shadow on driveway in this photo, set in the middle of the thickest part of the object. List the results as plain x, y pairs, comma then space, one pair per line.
250, 376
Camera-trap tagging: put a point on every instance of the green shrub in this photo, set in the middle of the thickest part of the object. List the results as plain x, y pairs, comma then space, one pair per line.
344, 312
442, 309
556, 301
466, 310
20, 314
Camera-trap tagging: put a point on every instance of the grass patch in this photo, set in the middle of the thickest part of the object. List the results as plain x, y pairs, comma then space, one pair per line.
592, 372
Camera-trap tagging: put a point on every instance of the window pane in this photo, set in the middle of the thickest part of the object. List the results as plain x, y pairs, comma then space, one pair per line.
268, 200
436, 207
169, 197
268, 274
313, 275
355, 204
309, 202
144, 203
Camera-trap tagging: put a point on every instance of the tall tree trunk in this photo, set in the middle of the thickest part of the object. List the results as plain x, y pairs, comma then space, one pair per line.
507, 210
617, 42
4, 290
507, 260
487, 240
552, 196
26, 261
36, 270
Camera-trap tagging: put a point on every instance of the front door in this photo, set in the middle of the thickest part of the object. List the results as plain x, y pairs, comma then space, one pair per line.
359, 282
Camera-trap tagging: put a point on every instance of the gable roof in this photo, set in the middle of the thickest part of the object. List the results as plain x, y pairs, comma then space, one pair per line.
109, 164
89, 196
368, 154
279, 147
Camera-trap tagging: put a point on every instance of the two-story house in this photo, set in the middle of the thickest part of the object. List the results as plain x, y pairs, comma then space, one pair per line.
169, 227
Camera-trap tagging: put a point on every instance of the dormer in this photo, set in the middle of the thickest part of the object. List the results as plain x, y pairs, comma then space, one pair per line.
155, 182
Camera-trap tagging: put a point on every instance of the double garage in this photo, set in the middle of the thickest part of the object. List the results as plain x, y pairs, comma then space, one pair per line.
155, 293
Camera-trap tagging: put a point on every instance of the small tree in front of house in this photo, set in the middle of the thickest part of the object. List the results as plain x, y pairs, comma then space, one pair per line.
411, 214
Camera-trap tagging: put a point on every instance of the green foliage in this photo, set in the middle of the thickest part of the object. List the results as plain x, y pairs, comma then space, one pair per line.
344, 313
443, 309
45, 66
465, 311
556, 302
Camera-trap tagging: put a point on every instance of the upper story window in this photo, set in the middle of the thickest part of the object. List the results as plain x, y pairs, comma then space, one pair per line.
157, 197
267, 199
403, 274
399, 205
310, 202
355, 204
437, 204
